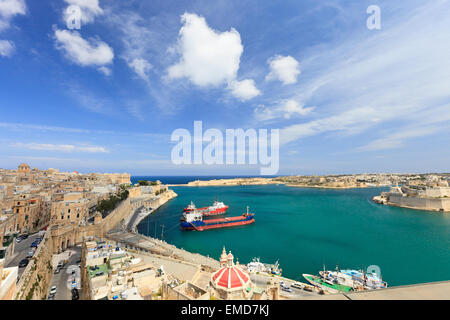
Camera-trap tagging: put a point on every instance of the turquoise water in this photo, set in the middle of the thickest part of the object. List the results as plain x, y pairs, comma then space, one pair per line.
306, 228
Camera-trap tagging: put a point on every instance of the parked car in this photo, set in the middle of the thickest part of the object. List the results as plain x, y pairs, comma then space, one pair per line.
53, 290
78, 261
56, 271
30, 254
51, 297
23, 263
34, 245
286, 289
297, 285
75, 294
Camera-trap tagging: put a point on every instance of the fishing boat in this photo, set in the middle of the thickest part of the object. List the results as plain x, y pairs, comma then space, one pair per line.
370, 281
257, 266
218, 208
327, 286
194, 221
357, 279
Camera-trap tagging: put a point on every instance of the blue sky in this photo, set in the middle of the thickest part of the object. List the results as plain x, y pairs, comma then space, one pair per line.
108, 96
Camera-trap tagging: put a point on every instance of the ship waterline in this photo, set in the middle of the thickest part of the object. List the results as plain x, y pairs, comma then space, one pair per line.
307, 228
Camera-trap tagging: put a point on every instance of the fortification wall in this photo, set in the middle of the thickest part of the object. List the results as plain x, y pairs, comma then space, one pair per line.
35, 280
69, 235
436, 192
433, 204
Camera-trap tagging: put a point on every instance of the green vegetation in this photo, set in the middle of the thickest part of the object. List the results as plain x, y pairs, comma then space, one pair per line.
106, 206
147, 183
160, 191
124, 187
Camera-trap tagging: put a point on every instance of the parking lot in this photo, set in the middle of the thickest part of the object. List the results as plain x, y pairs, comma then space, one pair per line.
21, 251
64, 279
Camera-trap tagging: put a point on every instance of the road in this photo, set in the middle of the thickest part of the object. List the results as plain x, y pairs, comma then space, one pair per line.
296, 294
20, 252
63, 279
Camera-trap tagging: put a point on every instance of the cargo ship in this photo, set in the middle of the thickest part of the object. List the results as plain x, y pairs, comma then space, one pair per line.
194, 221
218, 208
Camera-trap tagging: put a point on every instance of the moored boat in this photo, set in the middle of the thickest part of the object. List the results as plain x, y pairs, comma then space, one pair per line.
217, 208
358, 280
194, 221
326, 286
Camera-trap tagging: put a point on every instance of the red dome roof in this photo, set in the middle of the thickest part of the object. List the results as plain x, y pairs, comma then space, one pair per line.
230, 278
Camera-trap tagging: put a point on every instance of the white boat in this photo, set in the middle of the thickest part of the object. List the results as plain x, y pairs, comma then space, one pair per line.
358, 280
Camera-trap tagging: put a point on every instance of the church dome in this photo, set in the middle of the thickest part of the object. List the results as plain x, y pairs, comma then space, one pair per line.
230, 276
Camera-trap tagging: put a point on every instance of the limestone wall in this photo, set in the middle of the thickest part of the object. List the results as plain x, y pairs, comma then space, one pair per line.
434, 204
68, 235
436, 192
35, 280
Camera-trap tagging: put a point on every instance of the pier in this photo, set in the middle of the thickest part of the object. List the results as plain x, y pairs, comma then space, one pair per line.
423, 291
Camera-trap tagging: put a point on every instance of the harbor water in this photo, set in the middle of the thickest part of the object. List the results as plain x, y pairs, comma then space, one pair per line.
307, 228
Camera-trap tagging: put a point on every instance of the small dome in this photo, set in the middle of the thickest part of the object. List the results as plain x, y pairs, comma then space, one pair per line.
230, 278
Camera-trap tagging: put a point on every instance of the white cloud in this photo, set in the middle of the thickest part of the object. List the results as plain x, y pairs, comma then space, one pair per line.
397, 139
208, 57
244, 90
7, 48
9, 9
89, 10
141, 67
105, 70
60, 147
283, 68
83, 52
284, 109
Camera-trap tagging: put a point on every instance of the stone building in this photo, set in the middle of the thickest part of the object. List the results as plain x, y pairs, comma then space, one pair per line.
23, 168
28, 210
8, 279
72, 210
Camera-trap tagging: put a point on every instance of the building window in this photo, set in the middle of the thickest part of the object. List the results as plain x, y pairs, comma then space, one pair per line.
62, 217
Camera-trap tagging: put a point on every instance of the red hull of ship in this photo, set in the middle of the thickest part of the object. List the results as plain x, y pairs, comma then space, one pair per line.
216, 223
226, 225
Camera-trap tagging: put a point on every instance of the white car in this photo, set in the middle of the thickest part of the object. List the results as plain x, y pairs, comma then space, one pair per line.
53, 290
284, 288
297, 285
